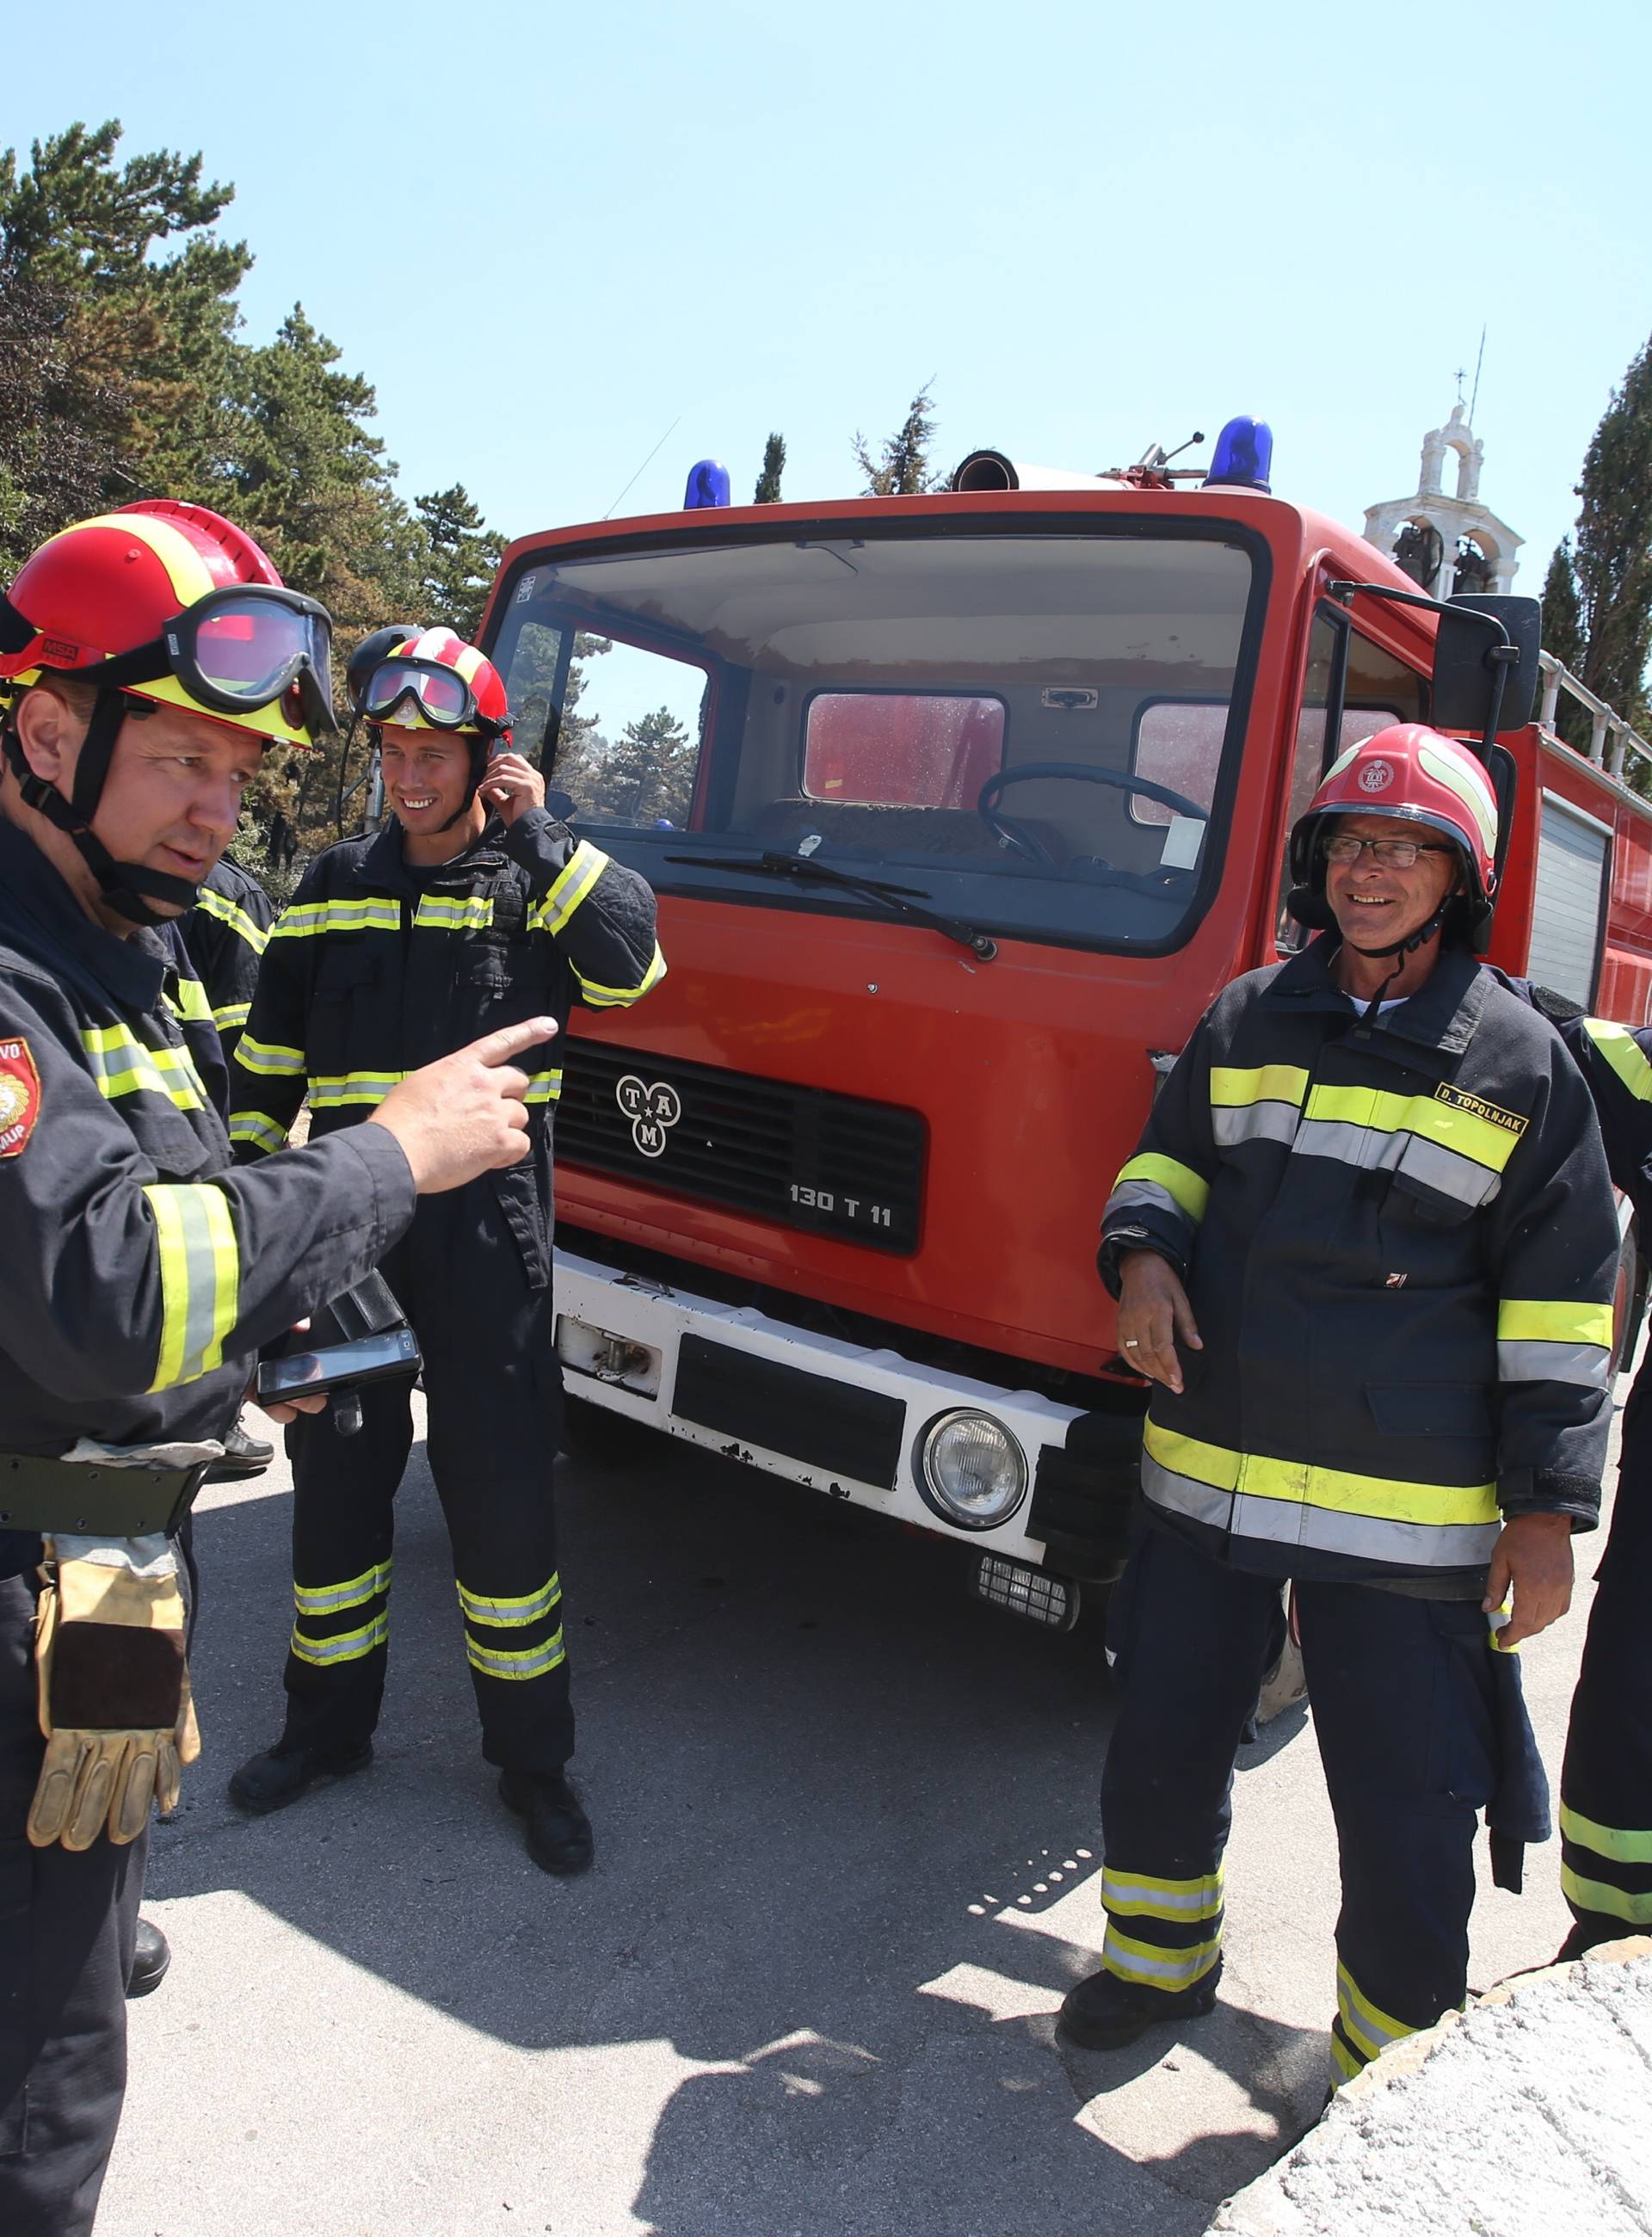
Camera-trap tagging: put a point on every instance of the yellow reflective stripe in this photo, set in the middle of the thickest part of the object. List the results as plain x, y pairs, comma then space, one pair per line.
1380, 1113
1233, 1084
231, 1015
515, 1664
1386, 1498
274, 1057
1623, 1847
310, 919
122, 1065
614, 997
543, 1087
253, 1128
452, 913
1602, 1896
1470, 787
1178, 1181
190, 1002
1622, 1052
1151, 1965
572, 885
200, 1279
1540, 1320
331, 1599
498, 1609
1369, 2027
330, 1089
344, 1645
1137, 1895
229, 912
1347, 2063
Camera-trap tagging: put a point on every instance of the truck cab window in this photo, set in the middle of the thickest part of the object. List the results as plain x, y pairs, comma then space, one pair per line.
975, 717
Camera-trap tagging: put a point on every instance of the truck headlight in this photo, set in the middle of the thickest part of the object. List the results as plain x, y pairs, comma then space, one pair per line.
970, 1470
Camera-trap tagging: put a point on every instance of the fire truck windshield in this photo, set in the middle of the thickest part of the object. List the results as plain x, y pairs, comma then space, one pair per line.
1036, 731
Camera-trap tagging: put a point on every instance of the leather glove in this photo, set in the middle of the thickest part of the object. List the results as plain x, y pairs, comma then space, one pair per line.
115, 1701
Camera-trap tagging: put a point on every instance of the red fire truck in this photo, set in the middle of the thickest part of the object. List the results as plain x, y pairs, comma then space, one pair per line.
961, 808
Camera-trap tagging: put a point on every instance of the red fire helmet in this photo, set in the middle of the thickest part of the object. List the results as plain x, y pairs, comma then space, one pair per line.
1421, 776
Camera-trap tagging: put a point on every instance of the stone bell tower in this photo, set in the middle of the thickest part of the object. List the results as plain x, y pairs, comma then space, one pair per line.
1447, 542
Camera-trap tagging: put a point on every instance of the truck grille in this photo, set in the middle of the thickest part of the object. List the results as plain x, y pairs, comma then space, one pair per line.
800, 1157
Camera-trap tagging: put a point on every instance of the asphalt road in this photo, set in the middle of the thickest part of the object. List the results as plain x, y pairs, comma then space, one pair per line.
847, 1842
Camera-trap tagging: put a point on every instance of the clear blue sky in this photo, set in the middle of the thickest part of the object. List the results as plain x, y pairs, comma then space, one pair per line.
545, 232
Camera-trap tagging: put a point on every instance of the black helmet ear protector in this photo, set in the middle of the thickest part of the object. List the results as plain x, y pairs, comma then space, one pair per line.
368, 656
124, 886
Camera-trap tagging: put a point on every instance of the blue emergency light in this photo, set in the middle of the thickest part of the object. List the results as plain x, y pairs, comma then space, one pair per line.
1243, 455
708, 485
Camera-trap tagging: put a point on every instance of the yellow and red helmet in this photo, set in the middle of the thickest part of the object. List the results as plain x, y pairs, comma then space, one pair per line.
429, 679
174, 604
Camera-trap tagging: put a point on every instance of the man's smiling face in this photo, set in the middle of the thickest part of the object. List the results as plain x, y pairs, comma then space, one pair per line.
1375, 904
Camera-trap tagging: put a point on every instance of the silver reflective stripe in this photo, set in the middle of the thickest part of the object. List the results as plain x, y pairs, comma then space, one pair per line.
515, 1662
345, 1646
1554, 1362
1370, 1149
328, 1599
1182, 1494
1254, 1122
1409, 1545
1133, 1196
480, 1607
1157, 1898
1162, 1969
202, 1338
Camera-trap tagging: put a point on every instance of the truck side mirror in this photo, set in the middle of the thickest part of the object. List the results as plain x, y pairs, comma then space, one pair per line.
1464, 669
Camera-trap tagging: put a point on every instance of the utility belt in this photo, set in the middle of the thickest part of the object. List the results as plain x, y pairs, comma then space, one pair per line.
85, 1498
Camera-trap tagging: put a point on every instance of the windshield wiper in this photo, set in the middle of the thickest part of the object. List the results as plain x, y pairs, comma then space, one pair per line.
772, 865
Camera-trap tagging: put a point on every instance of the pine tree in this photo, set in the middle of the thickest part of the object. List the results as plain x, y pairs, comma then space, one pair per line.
648, 773
1614, 552
458, 572
903, 470
774, 463
1564, 637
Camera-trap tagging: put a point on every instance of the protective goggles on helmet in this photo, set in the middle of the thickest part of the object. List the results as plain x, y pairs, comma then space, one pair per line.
237, 650
439, 693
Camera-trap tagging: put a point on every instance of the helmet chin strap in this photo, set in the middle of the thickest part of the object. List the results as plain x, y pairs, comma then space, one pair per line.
124, 886
1401, 949
479, 767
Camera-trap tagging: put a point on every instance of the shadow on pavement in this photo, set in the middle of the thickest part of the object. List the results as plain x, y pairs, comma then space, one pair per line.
818, 1773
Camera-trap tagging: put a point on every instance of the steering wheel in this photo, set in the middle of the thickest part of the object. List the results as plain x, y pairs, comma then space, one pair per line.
1024, 843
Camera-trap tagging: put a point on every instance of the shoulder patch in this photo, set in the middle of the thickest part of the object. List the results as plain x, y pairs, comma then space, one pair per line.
1493, 1113
19, 1096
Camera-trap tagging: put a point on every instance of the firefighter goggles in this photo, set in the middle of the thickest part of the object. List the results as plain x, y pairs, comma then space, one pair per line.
237, 650
440, 694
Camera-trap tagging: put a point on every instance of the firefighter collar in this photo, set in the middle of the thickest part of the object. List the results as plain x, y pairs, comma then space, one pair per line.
131, 971
383, 866
1442, 1014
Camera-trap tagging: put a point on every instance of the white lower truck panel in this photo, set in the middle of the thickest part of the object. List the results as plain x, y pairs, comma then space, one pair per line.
666, 1357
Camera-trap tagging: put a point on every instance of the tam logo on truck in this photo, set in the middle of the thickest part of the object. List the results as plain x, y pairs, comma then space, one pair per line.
961, 807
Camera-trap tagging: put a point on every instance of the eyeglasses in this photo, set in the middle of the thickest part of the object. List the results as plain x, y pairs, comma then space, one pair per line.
1387, 854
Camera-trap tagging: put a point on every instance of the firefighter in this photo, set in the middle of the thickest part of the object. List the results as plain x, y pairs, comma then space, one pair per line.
1606, 1779
472, 905
147, 658
1366, 1252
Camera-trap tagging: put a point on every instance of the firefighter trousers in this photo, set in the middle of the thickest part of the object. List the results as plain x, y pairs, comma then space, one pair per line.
1404, 1712
1606, 1783
67, 1923
493, 1420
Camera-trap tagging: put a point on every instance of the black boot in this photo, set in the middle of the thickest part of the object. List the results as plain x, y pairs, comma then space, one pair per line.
244, 1456
280, 1775
150, 1957
1104, 2013
557, 1830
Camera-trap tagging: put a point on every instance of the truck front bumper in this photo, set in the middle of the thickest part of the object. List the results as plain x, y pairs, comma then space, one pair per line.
837, 1417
